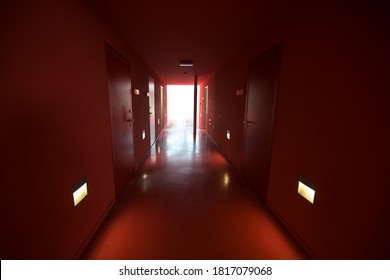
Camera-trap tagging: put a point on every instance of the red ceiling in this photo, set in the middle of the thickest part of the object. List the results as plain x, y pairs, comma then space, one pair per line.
209, 32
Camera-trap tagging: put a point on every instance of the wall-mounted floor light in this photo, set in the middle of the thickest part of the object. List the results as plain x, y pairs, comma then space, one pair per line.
228, 134
226, 179
80, 190
306, 188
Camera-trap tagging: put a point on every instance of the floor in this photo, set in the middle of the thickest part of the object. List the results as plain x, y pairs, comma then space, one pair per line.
186, 202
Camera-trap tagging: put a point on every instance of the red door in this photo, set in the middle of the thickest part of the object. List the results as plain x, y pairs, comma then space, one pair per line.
259, 120
119, 90
152, 115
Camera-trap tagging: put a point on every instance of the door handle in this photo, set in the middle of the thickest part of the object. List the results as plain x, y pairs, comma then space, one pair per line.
130, 121
246, 123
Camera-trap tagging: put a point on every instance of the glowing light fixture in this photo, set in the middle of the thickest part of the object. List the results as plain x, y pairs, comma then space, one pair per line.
80, 191
226, 179
143, 134
306, 189
228, 134
186, 63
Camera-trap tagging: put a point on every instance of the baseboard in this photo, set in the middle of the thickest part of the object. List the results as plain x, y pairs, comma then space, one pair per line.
300, 241
93, 231
296, 237
222, 151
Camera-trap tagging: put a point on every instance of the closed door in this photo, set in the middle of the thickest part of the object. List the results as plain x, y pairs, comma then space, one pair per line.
206, 107
162, 106
152, 115
259, 119
118, 71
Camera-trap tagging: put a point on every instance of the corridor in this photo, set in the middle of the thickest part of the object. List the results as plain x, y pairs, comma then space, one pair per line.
186, 201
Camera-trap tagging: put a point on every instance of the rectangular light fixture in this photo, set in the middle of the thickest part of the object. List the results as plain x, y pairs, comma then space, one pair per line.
306, 189
186, 63
228, 134
143, 134
80, 190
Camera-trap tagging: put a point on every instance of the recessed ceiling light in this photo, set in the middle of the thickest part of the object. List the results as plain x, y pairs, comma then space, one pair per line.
186, 63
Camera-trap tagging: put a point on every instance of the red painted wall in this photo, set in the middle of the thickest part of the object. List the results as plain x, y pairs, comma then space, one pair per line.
141, 111
159, 126
201, 107
140, 73
54, 126
212, 109
231, 110
332, 125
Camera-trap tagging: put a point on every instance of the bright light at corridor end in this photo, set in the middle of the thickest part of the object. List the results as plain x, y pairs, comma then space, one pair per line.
80, 191
306, 189
181, 104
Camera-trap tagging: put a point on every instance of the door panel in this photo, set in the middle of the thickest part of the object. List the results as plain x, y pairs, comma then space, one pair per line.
152, 114
118, 71
162, 107
206, 107
259, 121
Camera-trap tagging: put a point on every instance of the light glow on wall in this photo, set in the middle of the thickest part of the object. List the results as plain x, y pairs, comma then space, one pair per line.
226, 179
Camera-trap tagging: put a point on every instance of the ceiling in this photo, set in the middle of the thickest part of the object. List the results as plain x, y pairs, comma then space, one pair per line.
209, 32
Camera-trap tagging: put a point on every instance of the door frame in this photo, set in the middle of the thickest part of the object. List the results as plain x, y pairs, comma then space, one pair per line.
275, 48
128, 120
152, 110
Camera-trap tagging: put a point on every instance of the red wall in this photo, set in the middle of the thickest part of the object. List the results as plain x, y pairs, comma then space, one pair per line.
201, 111
332, 125
139, 80
212, 105
157, 100
55, 126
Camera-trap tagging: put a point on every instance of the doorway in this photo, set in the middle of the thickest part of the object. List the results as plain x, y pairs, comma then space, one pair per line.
121, 114
205, 107
152, 114
162, 121
181, 105
259, 119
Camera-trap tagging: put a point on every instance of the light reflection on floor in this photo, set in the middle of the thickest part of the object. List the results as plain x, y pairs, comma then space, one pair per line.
187, 202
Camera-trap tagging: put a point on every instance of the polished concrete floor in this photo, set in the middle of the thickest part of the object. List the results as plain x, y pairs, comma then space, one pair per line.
186, 201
